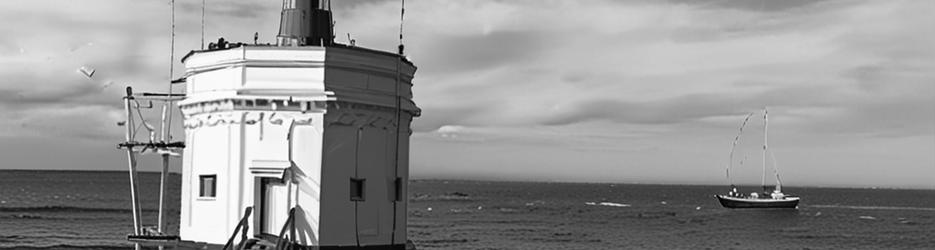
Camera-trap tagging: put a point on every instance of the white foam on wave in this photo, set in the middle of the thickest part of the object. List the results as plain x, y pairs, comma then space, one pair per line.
875, 207
609, 204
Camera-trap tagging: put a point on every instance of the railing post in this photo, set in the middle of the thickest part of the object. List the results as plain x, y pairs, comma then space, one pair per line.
290, 223
242, 223
131, 161
243, 235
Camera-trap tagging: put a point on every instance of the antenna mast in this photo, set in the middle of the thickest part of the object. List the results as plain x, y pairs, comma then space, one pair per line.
402, 14
203, 24
166, 123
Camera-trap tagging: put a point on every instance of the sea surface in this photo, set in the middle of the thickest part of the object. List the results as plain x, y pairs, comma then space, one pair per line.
91, 210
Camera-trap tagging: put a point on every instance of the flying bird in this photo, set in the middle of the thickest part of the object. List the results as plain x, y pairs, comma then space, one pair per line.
86, 71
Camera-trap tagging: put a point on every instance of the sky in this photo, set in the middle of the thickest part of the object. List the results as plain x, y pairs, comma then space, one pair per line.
633, 91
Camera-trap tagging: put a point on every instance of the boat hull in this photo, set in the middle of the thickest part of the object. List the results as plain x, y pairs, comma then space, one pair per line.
732, 202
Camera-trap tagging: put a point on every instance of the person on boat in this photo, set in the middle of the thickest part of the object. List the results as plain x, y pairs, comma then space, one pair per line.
733, 191
778, 195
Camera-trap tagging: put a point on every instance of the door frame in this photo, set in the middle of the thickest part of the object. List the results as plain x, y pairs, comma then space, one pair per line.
259, 195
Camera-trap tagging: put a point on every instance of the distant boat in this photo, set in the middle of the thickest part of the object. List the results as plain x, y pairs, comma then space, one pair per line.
769, 198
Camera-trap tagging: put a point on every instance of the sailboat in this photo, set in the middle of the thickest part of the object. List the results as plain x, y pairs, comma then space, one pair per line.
770, 197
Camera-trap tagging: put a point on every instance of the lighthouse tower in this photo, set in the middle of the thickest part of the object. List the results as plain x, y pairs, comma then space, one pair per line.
304, 143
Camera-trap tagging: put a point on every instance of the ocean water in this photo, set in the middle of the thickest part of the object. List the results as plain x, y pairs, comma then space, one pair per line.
61, 209
78, 209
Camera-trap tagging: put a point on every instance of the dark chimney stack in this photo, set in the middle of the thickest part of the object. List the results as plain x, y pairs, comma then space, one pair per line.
306, 23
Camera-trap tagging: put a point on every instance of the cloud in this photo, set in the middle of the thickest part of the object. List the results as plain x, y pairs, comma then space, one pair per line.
63, 121
229, 9
759, 6
805, 55
641, 79
466, 53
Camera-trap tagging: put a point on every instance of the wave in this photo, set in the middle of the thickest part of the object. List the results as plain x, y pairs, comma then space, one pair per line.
453, 196
875, 207
22, 216
68, 246
69, 209
609, 204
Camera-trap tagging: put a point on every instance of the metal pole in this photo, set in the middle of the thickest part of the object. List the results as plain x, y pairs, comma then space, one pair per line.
131, 161
163, 175
166, 115
765, 137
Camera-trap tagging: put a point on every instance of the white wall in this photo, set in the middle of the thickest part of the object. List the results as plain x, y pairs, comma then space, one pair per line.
351, 140
210, 151
274, 147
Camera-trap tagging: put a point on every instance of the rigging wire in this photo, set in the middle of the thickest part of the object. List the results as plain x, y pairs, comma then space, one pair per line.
143, 123
776, 170
734, 146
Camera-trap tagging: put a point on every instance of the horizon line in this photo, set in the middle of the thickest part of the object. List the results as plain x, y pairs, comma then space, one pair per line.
426, 178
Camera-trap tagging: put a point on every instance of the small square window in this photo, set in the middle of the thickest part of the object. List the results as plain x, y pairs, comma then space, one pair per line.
208, 186
357, 189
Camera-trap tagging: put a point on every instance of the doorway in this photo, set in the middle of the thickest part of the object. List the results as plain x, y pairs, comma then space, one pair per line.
274, 208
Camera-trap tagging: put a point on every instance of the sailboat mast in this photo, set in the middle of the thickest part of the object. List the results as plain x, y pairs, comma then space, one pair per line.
765, 138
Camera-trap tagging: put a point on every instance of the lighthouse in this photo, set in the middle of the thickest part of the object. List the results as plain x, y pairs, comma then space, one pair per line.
304, 143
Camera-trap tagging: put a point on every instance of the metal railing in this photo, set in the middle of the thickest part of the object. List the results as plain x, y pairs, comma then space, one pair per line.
242, 224
290, 224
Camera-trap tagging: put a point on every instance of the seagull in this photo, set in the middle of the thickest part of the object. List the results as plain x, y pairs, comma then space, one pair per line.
86, 71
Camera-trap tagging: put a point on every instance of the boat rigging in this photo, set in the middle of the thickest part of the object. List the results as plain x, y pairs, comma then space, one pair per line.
769, 198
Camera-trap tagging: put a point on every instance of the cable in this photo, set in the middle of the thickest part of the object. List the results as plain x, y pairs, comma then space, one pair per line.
363, 187
397, 186
734, 146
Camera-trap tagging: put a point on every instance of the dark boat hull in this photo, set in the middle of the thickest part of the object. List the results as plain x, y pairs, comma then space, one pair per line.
731, 202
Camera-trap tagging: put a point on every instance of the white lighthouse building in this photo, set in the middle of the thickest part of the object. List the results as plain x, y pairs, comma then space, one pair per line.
312, 136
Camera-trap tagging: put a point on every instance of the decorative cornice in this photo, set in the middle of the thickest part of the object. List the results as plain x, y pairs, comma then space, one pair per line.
260, 104
282, 118
360, 115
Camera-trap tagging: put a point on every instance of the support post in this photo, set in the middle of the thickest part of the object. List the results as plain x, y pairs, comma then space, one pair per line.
131, 162
165, 169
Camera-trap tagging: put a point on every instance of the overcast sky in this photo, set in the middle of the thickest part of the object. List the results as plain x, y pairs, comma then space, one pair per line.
595, 91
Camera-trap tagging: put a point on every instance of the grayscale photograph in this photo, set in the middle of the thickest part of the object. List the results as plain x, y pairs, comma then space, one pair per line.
467, 124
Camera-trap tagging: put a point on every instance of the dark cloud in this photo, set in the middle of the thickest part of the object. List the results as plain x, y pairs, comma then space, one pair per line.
905, 115
348, 6
229, 9
20, 91
894, 114
752, 5
910, 116
470, 53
